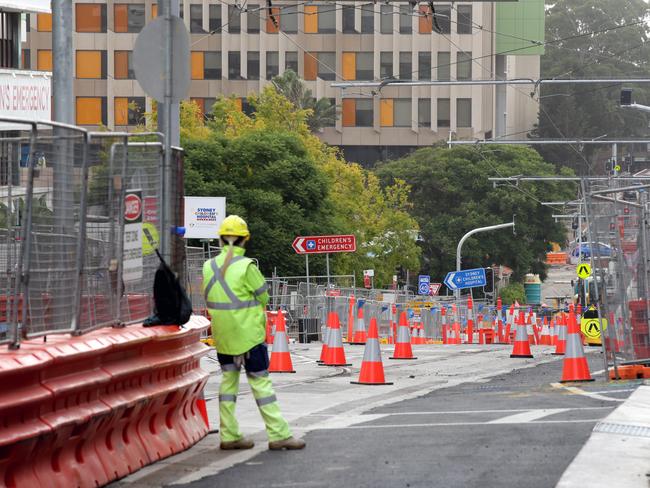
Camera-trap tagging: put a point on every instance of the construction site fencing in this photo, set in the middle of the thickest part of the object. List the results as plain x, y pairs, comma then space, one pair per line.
616, 247
80, 215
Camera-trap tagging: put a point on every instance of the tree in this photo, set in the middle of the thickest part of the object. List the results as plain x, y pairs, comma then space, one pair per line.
451, 195
587, 111
323, 113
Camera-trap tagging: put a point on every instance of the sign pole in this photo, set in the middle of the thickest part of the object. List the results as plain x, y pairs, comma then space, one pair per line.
307, 272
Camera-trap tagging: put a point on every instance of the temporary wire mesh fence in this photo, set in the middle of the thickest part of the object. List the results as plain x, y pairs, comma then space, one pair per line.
71, 259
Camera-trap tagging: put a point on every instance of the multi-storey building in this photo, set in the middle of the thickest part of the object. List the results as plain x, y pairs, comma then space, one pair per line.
237, 47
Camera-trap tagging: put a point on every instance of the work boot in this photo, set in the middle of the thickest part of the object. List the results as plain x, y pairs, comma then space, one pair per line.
242, 443
289, 443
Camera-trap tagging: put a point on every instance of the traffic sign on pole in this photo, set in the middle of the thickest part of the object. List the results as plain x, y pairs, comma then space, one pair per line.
434, 288
423, 284
324, 244
467, 278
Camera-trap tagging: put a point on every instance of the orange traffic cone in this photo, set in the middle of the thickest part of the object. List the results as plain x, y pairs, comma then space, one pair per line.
335, 353
521, 348
280, 356
403, 349
560, 340
470, 320
326, 336
372, 369
574, 366
359, 336
545, 338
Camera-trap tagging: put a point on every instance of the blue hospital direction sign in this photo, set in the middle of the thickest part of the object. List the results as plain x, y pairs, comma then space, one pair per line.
423, 284
467, 278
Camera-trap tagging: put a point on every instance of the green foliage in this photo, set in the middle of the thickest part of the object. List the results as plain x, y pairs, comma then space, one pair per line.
513, 292
451, 195
587, 111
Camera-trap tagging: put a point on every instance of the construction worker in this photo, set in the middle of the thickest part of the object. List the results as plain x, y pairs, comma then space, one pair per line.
236, 296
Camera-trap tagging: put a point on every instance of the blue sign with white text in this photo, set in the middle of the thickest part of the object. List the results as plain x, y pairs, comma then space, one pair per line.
423, 284
467, 278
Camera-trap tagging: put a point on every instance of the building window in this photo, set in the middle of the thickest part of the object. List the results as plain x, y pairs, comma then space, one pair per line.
424, 65
273, 20
405, 19
443, 16
326, 65
444, 62
234, 66
310, 16
364, 66
123, 65
253, 19
357, 112
463, 112
385, 64
291, 61
402, 112
43, 23
425, 20
91, 65
91, 111
327, 19
26, 59
154, 11
386, 112
289, 20
129, 17
464, 66
444, 118
368, 18
348, 19
129, 110
44, 60
212, 65
405, 66
214, 12
386, 19
424, 112
90, 17
272, 64
464, 24
205, 105
196, 18
234, 19
253, 65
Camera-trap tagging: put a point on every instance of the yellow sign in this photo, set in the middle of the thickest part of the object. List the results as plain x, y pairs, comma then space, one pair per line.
591, 327
150, 238
617, 168
583, 270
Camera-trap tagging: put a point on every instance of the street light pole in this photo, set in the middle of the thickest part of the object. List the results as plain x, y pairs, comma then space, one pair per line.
469, 234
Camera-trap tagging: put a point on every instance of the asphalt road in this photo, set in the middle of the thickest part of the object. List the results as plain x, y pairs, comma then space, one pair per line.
513, 430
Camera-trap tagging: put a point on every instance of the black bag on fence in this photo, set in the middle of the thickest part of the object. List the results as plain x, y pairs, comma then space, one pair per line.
172, 305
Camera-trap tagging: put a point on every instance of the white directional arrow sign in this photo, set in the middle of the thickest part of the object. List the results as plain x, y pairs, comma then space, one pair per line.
324, 244
467, 278
449, 281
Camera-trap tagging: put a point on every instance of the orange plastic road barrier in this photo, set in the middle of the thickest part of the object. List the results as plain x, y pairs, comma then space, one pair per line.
560, 339
575, 366
403, 349
372, 369
335, 354
556, 258
84, 411
521, 347
326, 337
630, 372
280, 356
359, 336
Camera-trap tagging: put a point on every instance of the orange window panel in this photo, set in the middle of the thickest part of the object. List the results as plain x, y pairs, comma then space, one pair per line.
121, 111
197, 62
88, 17
238, 103
121, 68
89, 64
311, 19
89, 111
349, 66
272, 27
44, 23
44, 60
311, 67
121, 19
199, 102
386, 112
349, 116
425, 24
154, 10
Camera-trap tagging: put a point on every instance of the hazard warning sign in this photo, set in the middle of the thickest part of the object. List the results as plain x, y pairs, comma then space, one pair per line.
591, 327
583, 270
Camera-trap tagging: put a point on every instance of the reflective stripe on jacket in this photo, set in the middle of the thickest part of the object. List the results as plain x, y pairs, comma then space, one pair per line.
236, 302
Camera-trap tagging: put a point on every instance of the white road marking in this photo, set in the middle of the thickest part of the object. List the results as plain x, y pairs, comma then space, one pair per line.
506, 410
578, 391
461, 424
526, 417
